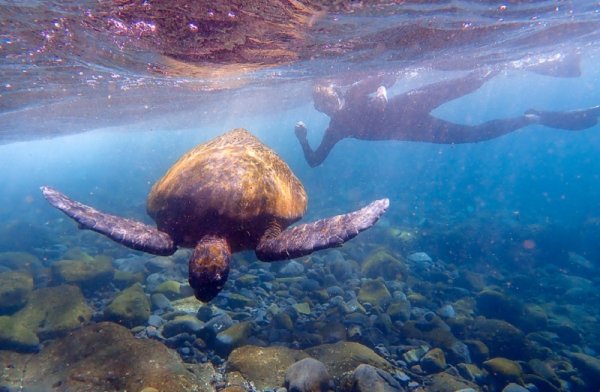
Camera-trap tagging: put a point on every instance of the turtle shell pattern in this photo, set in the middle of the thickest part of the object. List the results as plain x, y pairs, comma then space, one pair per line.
233, 187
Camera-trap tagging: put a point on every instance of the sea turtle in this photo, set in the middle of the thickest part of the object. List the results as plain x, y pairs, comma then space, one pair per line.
229, 194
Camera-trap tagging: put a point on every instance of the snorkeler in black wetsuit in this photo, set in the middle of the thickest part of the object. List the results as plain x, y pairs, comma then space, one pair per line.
407, 116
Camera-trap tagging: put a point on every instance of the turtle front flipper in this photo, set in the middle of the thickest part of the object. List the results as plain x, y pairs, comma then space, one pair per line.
130, 233
325, 233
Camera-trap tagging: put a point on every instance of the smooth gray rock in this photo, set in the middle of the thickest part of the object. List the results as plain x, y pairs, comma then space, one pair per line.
155, 321
292, 268
308, 375
183, 324
218, 323
367, 378
512, 387
160, 301
419, 257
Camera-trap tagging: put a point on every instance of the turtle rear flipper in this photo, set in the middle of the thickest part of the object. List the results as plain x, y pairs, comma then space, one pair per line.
130, 233
325, 233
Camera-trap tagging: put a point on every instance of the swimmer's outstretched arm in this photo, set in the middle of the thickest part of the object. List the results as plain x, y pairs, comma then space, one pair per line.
431, 96
315, 157
361, 89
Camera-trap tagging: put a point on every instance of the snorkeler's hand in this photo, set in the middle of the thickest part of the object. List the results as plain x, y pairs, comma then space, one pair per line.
300, 130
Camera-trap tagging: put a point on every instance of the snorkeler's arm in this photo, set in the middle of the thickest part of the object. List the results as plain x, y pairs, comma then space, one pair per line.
362, 88
314, 157
433, 95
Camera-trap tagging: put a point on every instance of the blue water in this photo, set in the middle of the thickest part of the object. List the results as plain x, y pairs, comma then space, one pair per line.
547, 175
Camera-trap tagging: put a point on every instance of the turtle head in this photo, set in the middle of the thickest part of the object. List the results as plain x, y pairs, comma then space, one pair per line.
209, 267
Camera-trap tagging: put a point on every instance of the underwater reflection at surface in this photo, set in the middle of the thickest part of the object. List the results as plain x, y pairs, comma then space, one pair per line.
77, 66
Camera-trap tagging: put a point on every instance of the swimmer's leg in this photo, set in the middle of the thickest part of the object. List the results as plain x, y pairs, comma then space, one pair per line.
445, 132
574, 120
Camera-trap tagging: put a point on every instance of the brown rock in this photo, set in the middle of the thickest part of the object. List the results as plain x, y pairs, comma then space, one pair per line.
343, 357
53, 311
438, 336
381, 263
444, 382
502, 338
479, 351
589, 367
235, 379
15, 287
21, 261
87, 274
234, 388
375, 292
541, 383
265, 366
433, 361
504, 369
102, 357
130, 307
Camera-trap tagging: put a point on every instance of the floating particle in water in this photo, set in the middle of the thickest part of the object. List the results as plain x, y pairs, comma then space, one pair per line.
529, 244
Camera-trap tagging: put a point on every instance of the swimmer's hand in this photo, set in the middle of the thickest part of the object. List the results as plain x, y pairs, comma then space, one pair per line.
300, 130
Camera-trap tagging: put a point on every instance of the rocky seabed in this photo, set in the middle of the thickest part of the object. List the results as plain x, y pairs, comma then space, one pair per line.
365, 318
